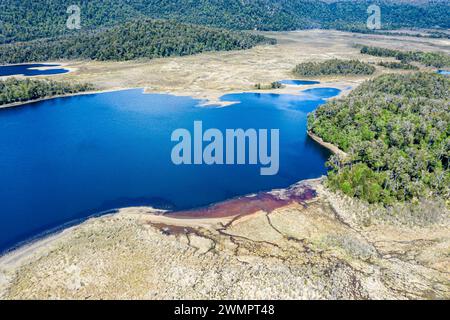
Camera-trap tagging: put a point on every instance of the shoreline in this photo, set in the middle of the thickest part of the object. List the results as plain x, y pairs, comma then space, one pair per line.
284, 244
24, 103
334, 149
33, 242
209, 100
199, 217
57, 65
209, 75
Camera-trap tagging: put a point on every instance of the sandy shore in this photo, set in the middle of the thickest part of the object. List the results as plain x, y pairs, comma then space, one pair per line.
298, 243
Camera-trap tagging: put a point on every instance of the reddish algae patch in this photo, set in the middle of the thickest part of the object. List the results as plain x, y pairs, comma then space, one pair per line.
263, 201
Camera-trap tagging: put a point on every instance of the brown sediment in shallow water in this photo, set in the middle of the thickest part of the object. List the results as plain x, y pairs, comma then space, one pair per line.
262, 201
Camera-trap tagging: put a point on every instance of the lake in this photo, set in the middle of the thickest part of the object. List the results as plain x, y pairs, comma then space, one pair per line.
65, 159
298, 82
30, 71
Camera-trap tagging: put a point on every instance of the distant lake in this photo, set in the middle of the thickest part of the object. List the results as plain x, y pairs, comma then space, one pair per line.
65, 159
298, 82
29, 71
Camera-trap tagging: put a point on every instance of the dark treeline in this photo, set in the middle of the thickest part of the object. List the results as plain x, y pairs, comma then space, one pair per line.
396, 131
428, 34
15, 90
132, 40
333, 67
23, 20
269, 86
397, 65
434, 59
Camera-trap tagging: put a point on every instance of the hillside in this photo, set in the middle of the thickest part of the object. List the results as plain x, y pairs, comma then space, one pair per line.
295, 14
23, 20
132, 40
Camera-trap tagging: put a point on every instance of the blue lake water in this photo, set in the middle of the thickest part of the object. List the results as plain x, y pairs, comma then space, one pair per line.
27, 70
65, 159
298, 82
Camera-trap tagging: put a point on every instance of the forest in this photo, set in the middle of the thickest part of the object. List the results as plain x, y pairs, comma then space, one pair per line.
431, 33
333, 67
397, 65
23, 20
18, 90
133, 40
396, 132
432, 59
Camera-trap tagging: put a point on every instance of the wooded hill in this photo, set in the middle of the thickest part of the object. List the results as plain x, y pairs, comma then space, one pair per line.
22, 20
132, 40
396, 130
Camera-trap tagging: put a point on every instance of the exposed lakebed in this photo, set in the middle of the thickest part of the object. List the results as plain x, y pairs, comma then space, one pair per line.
65, 159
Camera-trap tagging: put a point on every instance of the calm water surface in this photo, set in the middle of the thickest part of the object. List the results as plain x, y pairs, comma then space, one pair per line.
27, 70
65, 159
298, 82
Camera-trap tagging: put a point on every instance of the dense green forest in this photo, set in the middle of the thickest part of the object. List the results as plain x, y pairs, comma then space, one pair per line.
333, 67
22, 20
396, 131
434, 59
132, 40
15, 90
